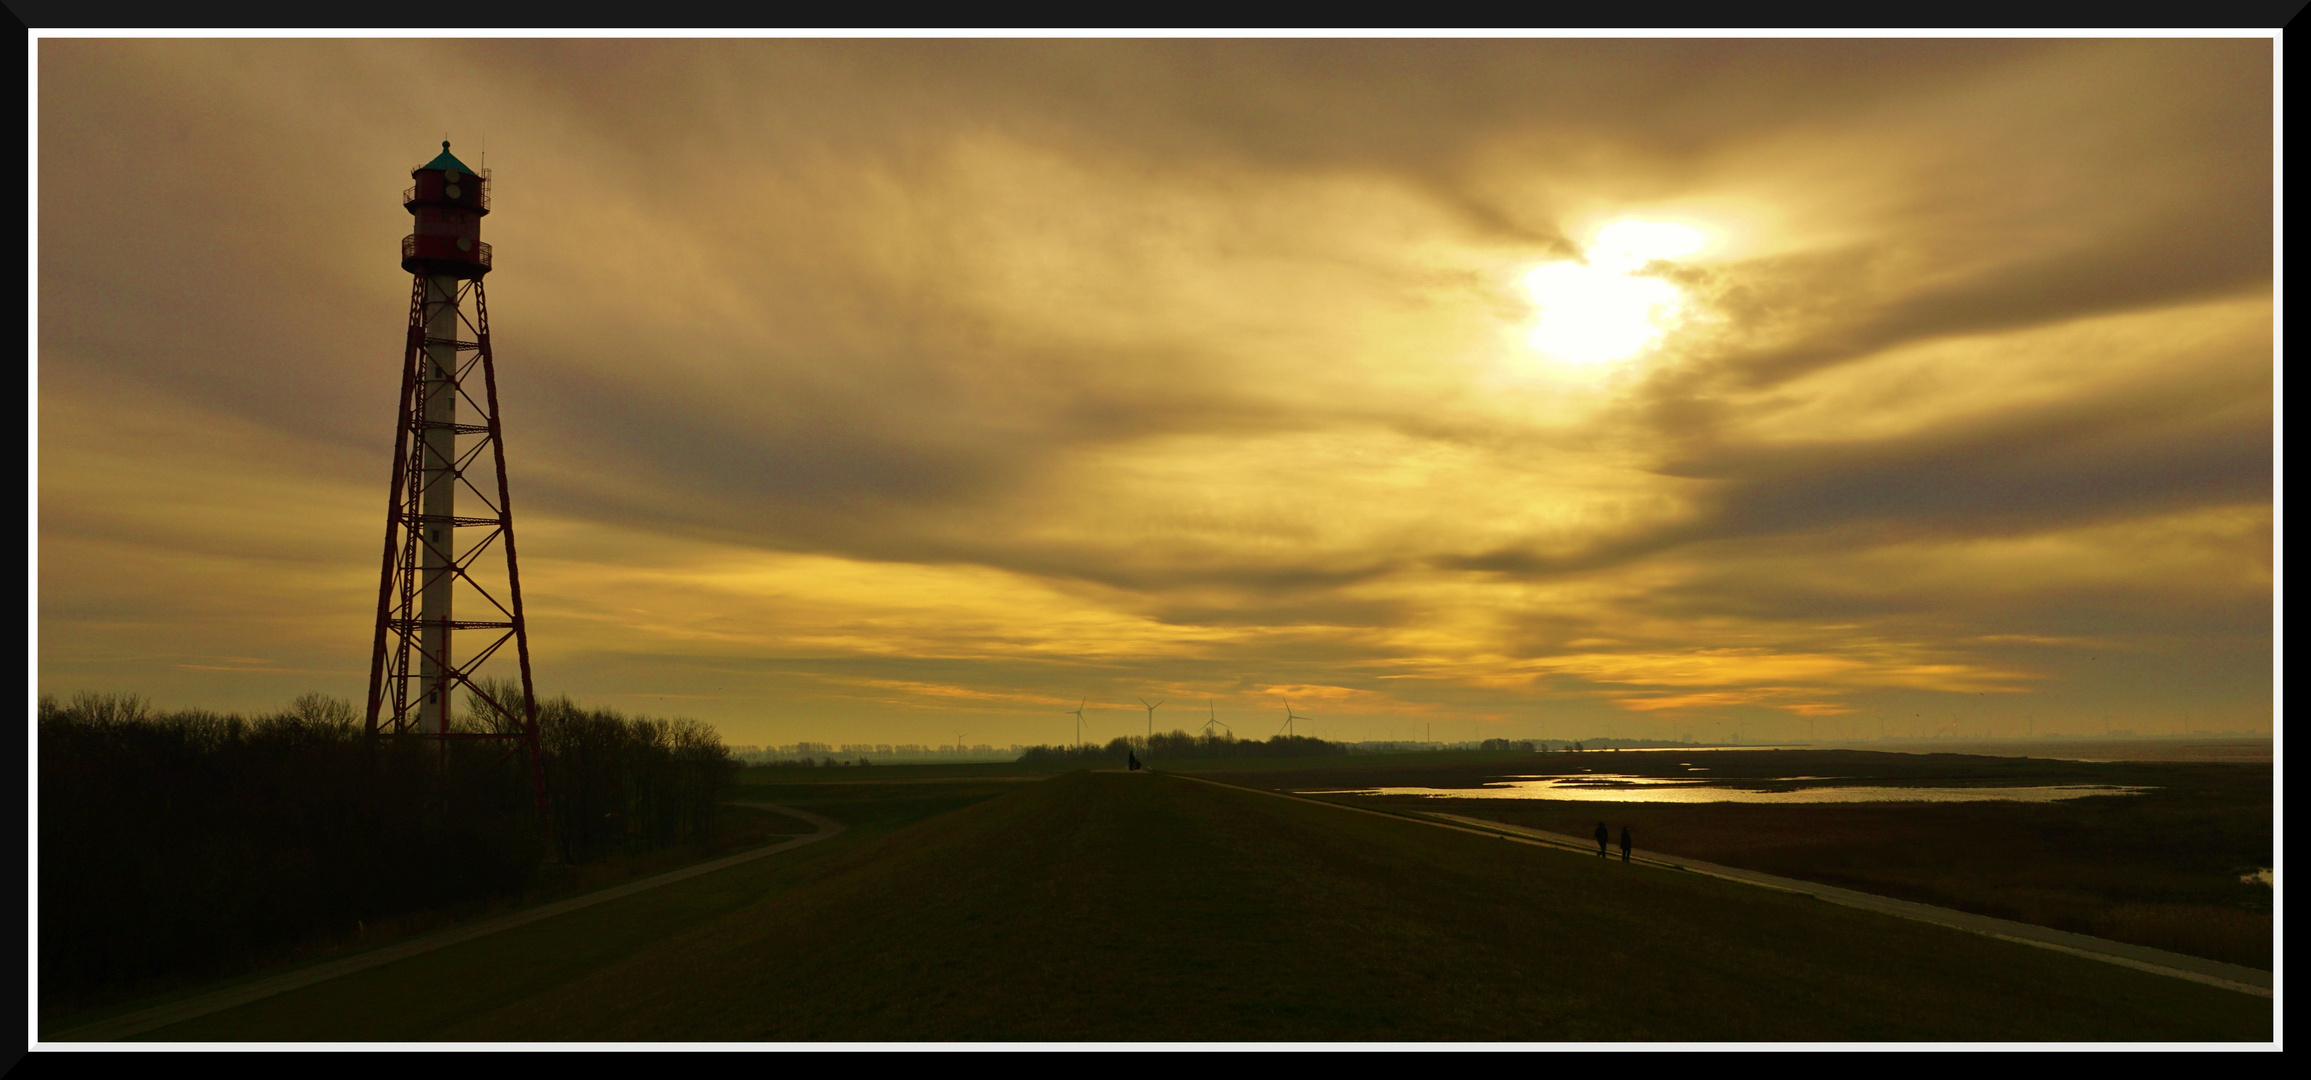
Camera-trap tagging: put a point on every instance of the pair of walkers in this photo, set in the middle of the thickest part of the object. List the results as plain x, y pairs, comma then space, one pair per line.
1604, 838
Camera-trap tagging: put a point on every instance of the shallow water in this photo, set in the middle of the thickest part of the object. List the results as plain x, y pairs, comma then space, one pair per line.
1654, 789
2254, 749
2259, 877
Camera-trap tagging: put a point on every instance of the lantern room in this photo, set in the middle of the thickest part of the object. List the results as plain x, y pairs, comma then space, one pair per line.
448, 201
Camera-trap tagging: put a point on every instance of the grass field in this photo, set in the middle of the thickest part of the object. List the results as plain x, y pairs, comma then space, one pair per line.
2160, 868
761, 775
770, 775
1103, 906
868, 814
742, 828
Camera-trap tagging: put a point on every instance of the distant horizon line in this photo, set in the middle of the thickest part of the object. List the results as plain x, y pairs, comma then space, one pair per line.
802, 748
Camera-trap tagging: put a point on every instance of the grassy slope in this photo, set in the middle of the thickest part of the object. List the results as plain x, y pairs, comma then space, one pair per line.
430, 991
2159, 869
1105, 906
741, 828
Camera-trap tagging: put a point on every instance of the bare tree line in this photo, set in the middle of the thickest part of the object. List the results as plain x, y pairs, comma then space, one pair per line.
1178, 745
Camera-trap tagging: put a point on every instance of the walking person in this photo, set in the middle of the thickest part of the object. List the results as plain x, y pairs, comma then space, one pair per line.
1603, 838
1624, 843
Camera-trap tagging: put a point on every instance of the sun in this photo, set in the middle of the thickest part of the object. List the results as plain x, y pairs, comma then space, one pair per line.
1596, 310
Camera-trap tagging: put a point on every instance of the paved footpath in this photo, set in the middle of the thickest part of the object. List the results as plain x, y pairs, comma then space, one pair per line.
2245, 980
160, 1016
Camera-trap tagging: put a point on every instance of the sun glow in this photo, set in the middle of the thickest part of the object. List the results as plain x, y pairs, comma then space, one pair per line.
1598, 309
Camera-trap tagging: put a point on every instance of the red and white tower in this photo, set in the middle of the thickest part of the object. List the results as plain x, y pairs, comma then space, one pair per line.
438, 561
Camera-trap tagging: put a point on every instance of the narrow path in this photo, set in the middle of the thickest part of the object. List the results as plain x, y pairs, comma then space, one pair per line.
2245, 980
160, 1016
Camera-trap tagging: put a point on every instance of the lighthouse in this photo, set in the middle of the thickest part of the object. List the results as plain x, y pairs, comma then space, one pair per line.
449, 510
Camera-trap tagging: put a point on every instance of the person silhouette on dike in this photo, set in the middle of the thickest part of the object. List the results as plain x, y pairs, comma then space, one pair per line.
1133, 758
1624, 843
1603, 838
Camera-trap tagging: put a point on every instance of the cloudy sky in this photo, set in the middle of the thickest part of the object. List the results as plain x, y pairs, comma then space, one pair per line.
885, 391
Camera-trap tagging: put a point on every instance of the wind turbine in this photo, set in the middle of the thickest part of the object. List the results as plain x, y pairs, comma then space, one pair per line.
1078, 711
1290, 716
1215, 719
1150, 719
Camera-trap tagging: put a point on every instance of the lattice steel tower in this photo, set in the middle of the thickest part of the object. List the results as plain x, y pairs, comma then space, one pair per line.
436, 559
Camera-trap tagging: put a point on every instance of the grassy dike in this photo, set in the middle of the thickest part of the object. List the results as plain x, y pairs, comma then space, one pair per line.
416, 998
1110, 906
743, 828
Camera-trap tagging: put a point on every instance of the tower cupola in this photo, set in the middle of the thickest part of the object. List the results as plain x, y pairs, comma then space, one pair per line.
448, 200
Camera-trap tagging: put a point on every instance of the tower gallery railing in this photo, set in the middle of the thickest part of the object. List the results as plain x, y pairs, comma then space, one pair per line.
443, 247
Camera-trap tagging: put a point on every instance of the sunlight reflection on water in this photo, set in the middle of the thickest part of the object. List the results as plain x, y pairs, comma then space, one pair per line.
1653, 789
